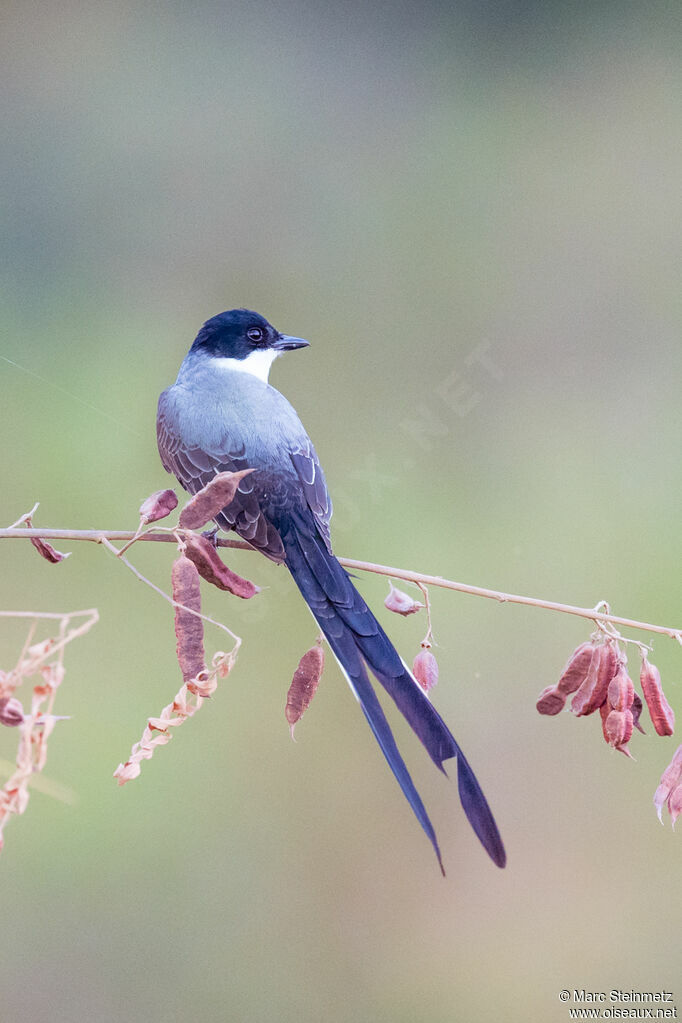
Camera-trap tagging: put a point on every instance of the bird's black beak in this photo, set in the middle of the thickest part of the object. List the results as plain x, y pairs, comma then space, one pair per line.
284, 343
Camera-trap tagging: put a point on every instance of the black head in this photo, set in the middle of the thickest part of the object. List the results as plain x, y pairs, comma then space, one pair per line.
238, 333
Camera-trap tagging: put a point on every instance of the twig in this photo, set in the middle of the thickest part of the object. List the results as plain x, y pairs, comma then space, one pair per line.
592, 614
45, 659
99, 535
191, 695
26, 517
157, 589
428, 638
40, 783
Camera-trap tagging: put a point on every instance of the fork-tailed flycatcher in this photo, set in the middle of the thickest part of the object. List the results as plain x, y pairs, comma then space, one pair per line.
222, 415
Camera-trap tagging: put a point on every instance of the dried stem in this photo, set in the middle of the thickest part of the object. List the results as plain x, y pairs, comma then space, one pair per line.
428, 639
157, 589
46, 660
189, 699
592, 614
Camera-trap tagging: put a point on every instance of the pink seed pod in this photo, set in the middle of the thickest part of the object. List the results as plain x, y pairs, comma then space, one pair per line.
662, 715
215, 496
576, 669
158, 506
304, 685
213, 569
425, 668
604, 712
669, 783
675, 804
584, 701
608, 664
618, 728
47, 551
203, 684
621, 691
189, 629
11, 712
550, 701
401, 603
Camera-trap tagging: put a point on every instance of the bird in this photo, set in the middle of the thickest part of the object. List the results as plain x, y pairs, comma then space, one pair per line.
223, 415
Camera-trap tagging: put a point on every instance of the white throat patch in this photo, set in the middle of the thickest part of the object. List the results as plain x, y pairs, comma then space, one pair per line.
258, 363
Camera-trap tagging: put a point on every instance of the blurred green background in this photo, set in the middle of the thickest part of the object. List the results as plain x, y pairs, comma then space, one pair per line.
471, 211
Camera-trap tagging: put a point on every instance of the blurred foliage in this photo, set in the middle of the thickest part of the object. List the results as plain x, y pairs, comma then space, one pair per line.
471, 210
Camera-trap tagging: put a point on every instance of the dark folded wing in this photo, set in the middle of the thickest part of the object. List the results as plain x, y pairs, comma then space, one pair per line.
309, 472
194, 468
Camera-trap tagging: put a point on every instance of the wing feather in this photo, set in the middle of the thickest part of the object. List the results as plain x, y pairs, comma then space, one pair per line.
194, 468
307, 465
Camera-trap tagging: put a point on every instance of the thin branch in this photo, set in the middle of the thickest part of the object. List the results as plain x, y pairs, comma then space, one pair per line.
39, 783
92, 615
100, 535
26, 517
511, 598
592, 614
157, 589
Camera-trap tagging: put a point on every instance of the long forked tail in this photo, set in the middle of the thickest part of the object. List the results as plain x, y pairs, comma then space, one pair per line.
356, 639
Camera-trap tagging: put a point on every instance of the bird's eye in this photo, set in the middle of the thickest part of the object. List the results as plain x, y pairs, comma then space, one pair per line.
255, 334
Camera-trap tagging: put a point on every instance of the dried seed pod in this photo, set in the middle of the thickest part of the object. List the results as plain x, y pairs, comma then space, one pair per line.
11, 712
636, 709
304, 684
213, 569
675, 804
576, 669
215, 496
670, 781
550, 701
158, 505
621, 691
189, 629
604, 712
47, 551
222, 663
425, 668
662, 714
400, 602
608, 665
204, 684
583, 701
618, 728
